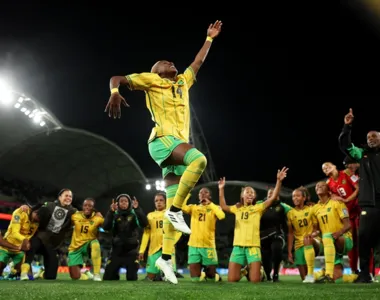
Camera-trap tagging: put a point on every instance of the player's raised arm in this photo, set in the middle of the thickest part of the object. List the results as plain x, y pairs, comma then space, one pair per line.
281, 174
222, 199
212, 32
345, 143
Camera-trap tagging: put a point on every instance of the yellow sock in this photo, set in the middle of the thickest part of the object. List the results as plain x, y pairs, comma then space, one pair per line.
196, 163
350, 278
309, 257
203, 276
217, 277
42, 274
319, 274
169, 231
329, 249
25, 268
96, 256
83, 277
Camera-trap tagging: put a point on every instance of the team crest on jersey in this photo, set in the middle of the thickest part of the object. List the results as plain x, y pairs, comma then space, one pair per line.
129, 218
328, 210
344, 181
59, 214
345, 212
91, 222
208, 210
278, 208
16, 218
306, 214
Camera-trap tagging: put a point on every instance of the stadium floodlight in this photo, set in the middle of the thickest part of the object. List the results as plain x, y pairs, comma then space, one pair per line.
160, 185
6, 96
148, 187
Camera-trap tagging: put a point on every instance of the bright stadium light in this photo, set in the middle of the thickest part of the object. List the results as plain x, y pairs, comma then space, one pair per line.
6, 96
148, 187
160, 185
29, 107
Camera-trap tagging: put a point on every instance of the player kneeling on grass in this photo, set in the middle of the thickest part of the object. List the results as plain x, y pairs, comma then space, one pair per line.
247, 229
84, 242
332, 218
300, 227
153, 235
21, 228
202, 248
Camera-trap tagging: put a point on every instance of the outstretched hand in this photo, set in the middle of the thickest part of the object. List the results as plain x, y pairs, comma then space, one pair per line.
113, 105
281, 174
214, 29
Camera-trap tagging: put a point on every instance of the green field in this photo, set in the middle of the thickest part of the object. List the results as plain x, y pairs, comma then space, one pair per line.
290, 287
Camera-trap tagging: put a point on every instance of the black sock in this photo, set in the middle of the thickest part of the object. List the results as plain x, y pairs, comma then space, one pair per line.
174, 209
166, 256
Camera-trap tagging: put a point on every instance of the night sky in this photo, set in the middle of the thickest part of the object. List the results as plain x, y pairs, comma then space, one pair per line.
273, 91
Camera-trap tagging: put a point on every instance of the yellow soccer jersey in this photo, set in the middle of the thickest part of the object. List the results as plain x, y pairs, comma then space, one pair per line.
167, 101
302, 224
203, 224
329, 216
85, 229
247, 224
20, 228
153, 232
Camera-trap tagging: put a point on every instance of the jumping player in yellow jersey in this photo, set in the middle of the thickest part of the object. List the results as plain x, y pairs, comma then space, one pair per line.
300, 226
331, 219
247, 229
202, 248
167, 99
84, 241
22, 227
153, 235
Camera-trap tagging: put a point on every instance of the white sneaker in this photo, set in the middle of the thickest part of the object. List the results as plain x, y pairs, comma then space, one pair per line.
177, 220
374, 279
309, 279
89, 274
166, 266
39, 273
97, 278
24, 277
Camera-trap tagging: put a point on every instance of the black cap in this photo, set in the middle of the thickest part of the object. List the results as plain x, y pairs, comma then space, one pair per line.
349, 160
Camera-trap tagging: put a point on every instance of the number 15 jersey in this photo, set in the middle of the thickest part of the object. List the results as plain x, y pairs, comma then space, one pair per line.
85, 229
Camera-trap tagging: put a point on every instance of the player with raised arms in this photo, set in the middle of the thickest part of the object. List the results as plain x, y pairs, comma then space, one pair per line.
167, 99
247, 229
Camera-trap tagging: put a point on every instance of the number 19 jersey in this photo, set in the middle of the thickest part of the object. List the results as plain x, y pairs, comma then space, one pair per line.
247, 224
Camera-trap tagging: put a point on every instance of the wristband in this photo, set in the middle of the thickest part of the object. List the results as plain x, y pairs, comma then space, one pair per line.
114, 90
209, 39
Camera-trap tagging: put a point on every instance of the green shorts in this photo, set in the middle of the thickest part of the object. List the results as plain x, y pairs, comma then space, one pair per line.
76, 257
151, 263
161, 148
299, 254
5, 256
348, 245
244, 255
203, 256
